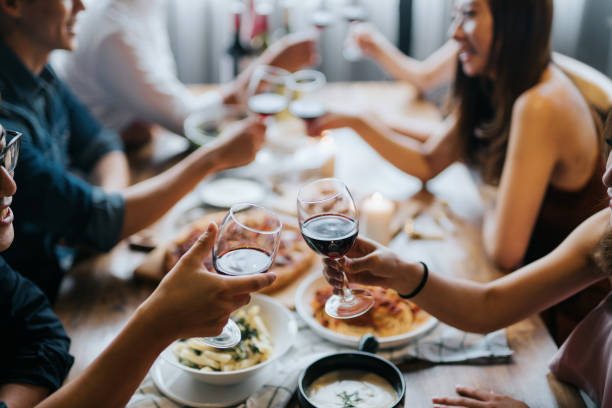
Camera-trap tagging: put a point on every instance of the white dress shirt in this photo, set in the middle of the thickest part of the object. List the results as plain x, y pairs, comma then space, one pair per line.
123, 68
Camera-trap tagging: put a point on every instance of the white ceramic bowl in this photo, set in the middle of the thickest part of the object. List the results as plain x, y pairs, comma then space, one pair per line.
282, 327
304, 296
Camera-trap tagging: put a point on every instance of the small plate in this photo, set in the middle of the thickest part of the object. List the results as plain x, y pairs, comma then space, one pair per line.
184, 389
225, 192
304, 296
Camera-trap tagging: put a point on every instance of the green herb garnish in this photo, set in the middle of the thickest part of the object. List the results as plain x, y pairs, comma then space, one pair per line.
349, 400
188, 363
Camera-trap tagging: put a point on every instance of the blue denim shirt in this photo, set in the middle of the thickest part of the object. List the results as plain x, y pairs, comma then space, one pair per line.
52, 204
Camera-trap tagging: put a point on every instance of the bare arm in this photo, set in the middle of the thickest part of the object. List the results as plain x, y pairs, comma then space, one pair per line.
147, 201
422, 160
461, 303
438, 69
22, 395
111, 172
176, 309
530, 160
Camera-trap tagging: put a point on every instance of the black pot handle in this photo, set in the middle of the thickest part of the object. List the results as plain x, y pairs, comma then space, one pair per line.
368, 343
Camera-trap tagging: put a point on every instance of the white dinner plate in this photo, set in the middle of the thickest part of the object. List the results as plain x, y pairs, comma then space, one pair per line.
180, 387
225, 192
303, 298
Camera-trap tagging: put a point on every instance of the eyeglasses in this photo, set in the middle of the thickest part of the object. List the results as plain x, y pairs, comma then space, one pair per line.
10, 153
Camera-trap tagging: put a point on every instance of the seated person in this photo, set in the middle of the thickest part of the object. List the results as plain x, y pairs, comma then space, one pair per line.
34, 359
59, 134
124, 71
585, 257
520, 122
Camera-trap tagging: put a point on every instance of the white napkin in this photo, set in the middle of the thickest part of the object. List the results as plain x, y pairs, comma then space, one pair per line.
443, 344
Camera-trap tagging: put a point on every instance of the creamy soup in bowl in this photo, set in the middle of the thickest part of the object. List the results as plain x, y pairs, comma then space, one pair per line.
351, 388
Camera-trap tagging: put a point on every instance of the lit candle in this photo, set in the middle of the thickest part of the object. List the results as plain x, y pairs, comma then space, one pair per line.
376, 214
328, 151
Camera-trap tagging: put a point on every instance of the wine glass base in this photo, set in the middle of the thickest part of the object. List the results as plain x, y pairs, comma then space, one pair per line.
229, 337
340, 308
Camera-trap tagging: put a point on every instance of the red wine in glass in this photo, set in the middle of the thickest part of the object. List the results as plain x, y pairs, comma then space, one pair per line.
266, 104
307, 110
242, 261
330, 235
322, 19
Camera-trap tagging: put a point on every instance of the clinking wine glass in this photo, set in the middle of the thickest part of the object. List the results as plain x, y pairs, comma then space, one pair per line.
305, 85
244, 246
354, 14
329, 223
268, 91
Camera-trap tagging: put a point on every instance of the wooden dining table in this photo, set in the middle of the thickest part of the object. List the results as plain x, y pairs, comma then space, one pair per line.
100, 293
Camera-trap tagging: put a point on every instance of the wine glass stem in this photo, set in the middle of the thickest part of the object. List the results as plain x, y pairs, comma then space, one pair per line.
347, 293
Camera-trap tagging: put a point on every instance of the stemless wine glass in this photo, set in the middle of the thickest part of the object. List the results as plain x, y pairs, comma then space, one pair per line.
329, 223
268, 92
307, 104
247, 243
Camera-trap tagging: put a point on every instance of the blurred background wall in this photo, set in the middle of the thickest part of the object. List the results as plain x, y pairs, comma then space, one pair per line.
201, 30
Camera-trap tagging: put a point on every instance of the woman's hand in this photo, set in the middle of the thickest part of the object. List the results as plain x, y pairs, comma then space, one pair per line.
371, 42
475, 398
193, 302
370, 263
238, 144
332, 120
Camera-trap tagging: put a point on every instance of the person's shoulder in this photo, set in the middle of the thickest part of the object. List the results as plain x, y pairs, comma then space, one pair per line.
550, 97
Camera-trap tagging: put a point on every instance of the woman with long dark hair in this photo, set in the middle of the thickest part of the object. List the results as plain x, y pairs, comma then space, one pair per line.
583, 258
515, 117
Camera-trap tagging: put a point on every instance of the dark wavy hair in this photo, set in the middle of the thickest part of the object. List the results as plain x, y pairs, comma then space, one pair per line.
602, 255
520, 52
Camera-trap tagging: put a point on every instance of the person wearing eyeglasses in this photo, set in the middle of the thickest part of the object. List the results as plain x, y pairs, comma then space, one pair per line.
59, 210
34, 347
124, 70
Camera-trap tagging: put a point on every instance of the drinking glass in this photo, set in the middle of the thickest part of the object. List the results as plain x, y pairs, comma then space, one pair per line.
354, 14
307, 104
247, 243
268, 92
329, 224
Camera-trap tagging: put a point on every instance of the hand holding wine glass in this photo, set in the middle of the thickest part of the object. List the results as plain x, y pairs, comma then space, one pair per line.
245, 246
329, 223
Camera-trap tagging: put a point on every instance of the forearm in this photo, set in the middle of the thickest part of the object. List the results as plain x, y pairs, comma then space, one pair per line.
148, 200
114, 376
405, 153
22, 395
435, 71
111, 172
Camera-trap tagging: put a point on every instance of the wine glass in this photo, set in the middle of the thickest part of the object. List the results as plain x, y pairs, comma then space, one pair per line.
329, 223
307, 104
268, 91
322, 17
354, 14
245, 245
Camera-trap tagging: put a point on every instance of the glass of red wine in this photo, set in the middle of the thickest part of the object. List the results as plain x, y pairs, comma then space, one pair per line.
354, 14
268, 91
329, 223
322, 17
308, 103
247, 243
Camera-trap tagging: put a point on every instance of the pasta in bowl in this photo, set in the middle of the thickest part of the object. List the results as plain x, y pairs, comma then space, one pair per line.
268, 330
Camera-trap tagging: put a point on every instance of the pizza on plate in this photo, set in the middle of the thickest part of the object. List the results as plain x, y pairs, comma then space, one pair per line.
390, 316
293, 258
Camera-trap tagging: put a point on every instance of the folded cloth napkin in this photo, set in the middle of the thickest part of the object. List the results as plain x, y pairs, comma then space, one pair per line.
443, 344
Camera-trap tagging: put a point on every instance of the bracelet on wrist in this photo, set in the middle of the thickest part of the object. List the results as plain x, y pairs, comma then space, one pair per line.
420, 286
